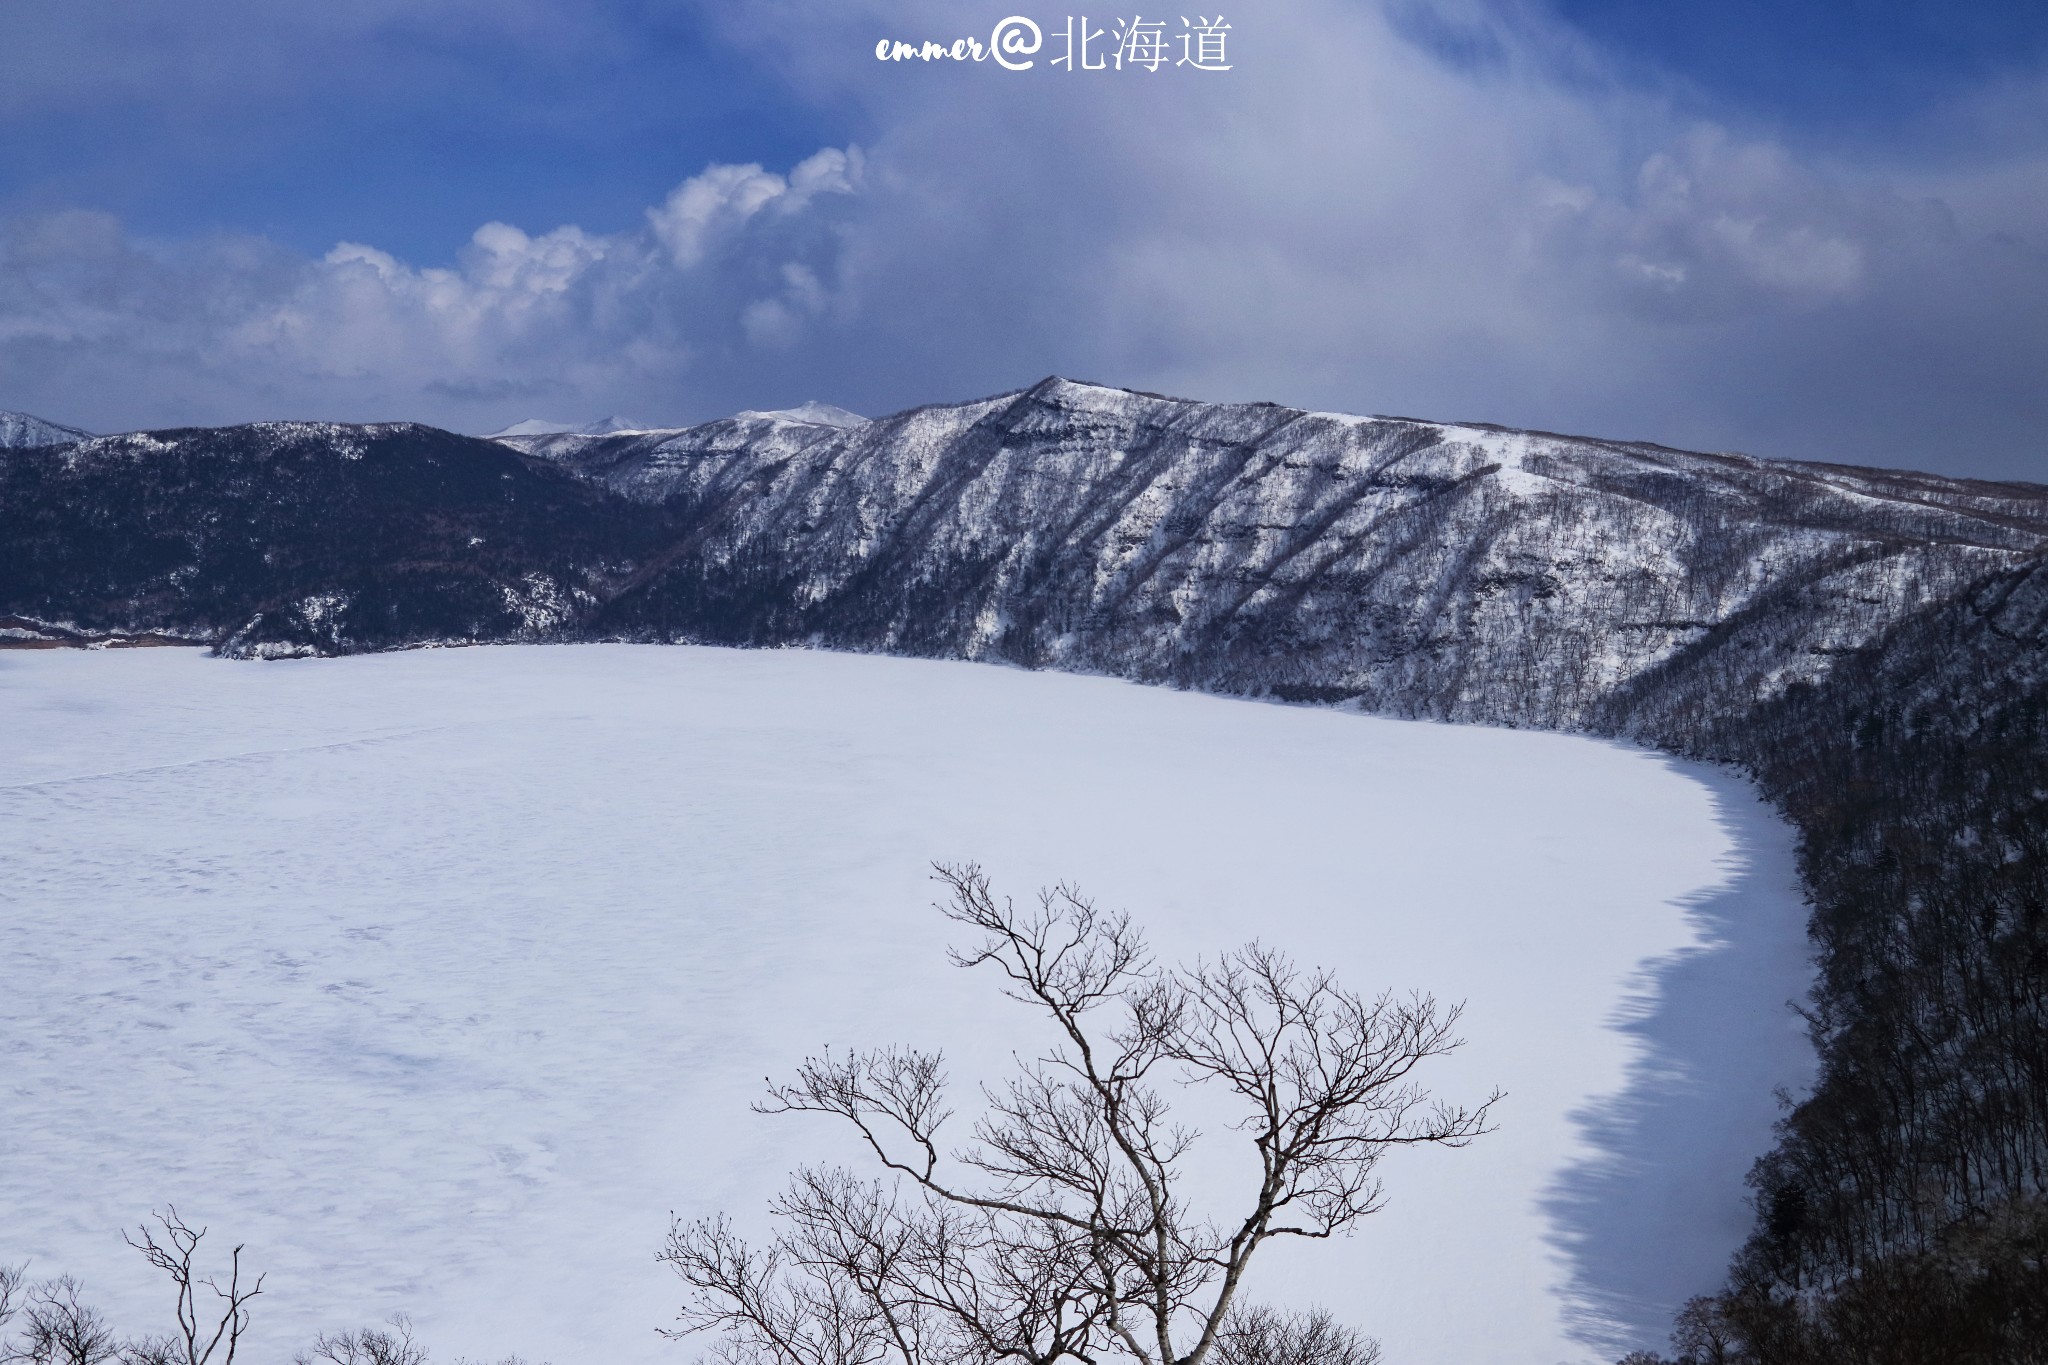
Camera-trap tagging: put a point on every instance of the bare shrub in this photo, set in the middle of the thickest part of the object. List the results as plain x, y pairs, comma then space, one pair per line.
1262, 1336
57, 1328
368, 1346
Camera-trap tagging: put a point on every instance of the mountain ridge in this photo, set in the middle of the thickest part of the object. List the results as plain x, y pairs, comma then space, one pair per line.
1210, 530
19, 430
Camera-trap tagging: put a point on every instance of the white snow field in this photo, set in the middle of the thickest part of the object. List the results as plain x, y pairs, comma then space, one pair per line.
441, 978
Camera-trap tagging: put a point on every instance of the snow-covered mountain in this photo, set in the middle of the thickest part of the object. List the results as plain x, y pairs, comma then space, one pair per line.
1460, 571
19, 430
534, 426
782, 429
819, 414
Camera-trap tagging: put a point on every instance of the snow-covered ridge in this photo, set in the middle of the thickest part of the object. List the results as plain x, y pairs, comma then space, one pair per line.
534, 426
343, 440
814, 412
19, 430
1449, 569
1454, 569
557, 440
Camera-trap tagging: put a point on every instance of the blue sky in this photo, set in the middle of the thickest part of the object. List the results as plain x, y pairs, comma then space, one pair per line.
408, 131
1871, 70
1799, 228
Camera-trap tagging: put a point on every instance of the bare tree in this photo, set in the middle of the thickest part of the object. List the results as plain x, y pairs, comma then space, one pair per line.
1260, 1336
13, 1286
1061, 1231
57, 1329
195, 1342
369, 1346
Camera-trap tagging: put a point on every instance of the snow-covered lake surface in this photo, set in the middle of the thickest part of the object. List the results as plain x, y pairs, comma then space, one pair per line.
441, 978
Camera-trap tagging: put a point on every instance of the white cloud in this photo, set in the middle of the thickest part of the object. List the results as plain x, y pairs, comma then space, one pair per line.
1715, 228
714, 207
359, 311
1345, 220
736, 261
720, 200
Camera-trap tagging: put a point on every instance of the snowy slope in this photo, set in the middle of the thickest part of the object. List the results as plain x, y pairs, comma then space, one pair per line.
18, 430
1437, 569
821, 414
532, 426
614, 447
640, 463
441, 978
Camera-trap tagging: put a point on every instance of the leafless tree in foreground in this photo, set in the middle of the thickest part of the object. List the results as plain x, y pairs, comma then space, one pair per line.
195, 1342
1060, 1231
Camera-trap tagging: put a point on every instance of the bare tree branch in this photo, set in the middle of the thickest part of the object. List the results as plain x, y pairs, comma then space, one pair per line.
196, 1342
1059, 1232
367, 1346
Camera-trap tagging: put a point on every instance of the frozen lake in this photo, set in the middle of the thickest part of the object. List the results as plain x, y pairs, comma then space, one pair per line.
441, 978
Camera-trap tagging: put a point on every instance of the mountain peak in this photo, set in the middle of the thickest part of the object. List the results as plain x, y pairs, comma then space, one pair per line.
18, 429
534, 426
813, 412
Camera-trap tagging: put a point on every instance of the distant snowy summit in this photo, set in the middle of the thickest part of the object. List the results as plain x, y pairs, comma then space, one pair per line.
816, 413
812, 413
19, 430
534, 426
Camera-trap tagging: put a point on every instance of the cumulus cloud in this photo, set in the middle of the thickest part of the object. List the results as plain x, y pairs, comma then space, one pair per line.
737, 259
718, 204
1446, 209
